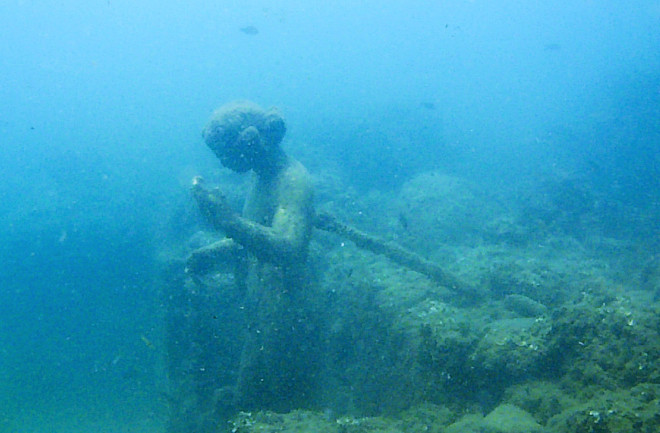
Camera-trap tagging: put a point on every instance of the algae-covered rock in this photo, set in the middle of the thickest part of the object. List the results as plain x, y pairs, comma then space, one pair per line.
604, 342
426, 418
436, 208
524, 306
650, 275
513, 349
447, 338
542, 399
298, 421
508, 418
366, 425
470, 356
505, 418
540, 281
561, 204
457, 357
471, 423
366, 352
622, 411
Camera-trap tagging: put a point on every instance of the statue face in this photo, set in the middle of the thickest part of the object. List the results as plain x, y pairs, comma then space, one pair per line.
240, 133
235, 159
241, 152
222, 138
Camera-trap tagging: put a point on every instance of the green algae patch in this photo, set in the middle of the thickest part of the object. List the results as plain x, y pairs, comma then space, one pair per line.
298, 421
542, 399
605, 342
513, 348
508, 418
505, 418
623, 411
425, 418
471, 423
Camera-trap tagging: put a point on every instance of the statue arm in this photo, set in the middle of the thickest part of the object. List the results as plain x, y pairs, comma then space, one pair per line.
285, 241
221, 255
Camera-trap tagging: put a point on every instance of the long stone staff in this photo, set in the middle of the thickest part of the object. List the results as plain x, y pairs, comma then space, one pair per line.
394, 252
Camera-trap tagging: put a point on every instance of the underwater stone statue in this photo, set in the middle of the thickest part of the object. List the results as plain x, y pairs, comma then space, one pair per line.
266, 249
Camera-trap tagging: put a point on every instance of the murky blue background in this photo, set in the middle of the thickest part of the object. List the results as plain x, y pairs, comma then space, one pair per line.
102, 103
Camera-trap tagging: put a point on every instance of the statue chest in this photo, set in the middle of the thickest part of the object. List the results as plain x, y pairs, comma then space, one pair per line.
260, 205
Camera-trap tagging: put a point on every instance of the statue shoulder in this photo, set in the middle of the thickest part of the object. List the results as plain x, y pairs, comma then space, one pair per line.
295, 182
296, 173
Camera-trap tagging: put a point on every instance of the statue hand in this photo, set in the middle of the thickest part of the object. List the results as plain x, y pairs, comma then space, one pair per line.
213, 204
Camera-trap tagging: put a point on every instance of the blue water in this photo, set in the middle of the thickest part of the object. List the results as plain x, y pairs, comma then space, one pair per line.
102, 103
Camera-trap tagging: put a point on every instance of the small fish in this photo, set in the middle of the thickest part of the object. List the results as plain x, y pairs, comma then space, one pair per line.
147, 342
403, 221
250, 30
428, 105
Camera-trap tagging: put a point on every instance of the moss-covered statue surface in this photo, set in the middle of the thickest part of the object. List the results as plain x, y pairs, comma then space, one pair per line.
280, 328
263, 261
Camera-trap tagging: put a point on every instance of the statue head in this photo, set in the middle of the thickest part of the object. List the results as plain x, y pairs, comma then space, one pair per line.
243, 135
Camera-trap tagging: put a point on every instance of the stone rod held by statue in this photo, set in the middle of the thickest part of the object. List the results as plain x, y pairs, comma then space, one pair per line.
393, 251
